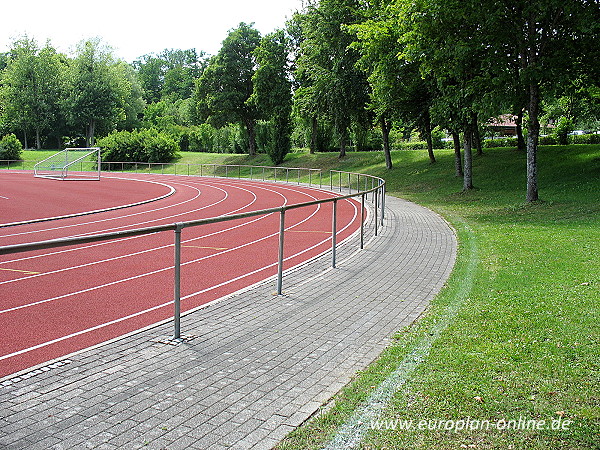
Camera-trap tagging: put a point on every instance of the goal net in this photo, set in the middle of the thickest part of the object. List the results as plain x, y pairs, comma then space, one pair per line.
71, 164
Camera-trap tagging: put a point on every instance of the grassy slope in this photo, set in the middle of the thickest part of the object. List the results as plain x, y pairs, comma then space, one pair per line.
525, 338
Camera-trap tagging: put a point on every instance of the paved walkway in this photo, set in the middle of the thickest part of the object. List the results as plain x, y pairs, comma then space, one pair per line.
254, 366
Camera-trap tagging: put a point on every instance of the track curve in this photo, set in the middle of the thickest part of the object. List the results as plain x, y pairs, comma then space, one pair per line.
58, 301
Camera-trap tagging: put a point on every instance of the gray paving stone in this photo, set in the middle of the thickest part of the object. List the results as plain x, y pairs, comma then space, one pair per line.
260, 364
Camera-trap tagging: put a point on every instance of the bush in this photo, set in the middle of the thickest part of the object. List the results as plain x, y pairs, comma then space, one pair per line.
10, 148
500, 142
147, 145
562, 130
585, 139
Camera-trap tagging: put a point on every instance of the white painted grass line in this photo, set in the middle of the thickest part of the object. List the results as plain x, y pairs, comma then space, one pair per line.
353, 431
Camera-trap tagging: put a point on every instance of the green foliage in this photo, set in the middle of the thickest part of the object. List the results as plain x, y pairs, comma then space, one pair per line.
170, 74
10, 148
98, 90
273, 94
331, 85
138, 146
222, 94
585, 139
228, 139
562, 130
31, 88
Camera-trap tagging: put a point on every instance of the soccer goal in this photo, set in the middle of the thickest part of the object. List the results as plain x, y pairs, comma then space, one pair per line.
71, 164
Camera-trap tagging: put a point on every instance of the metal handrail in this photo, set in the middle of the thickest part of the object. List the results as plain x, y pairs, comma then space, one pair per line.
377, 189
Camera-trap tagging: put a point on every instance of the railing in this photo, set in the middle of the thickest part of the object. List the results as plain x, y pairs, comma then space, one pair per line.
376, 189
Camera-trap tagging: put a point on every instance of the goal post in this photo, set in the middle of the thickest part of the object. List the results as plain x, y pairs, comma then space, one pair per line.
71, 164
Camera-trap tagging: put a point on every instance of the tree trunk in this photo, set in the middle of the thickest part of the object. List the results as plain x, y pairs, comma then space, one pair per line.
91, 129
342, 146
521, 146
38, 141
428, 139
251, 137
386, 127
477, 136
313, 135
457, 155
533, 133
468, 171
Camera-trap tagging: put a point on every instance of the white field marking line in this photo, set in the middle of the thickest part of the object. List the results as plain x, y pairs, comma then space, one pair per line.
88, 213
124, 239
198, 193
154, 210
148, 273
202, 247
135, 237
139, 313
114, 258
6, 198
156, 271
259, 186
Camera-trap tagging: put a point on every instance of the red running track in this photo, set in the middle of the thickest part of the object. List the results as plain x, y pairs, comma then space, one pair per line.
58, 301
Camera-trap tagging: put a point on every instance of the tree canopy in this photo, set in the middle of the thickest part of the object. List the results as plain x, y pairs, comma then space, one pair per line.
362, 74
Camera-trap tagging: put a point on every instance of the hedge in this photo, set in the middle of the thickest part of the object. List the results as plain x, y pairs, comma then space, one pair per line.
146, 145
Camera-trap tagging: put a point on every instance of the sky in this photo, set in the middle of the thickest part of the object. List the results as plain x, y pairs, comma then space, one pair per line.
138, 27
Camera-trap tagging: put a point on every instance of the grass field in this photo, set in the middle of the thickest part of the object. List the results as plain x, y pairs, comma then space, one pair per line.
515, 334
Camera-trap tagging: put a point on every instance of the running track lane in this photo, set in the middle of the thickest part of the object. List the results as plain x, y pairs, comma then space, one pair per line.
58, 301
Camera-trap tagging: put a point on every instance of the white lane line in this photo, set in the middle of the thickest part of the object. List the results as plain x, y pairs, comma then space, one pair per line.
93, 288
154, 308
198, 193
255, 185
126, 255
88, 213
148, 250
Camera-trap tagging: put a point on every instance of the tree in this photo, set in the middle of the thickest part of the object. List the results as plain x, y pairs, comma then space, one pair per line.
450, 40
222, 94
552, 43
333, 86
98, 92
32, 85
171, 73
273, 93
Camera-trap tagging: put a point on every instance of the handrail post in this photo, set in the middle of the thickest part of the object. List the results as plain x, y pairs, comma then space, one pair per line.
375, 192
177, 283
334, 233
382, 203
362, 221
280, 256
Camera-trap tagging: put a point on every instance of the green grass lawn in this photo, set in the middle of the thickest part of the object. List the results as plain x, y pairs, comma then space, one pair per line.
515, 333
520, 313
